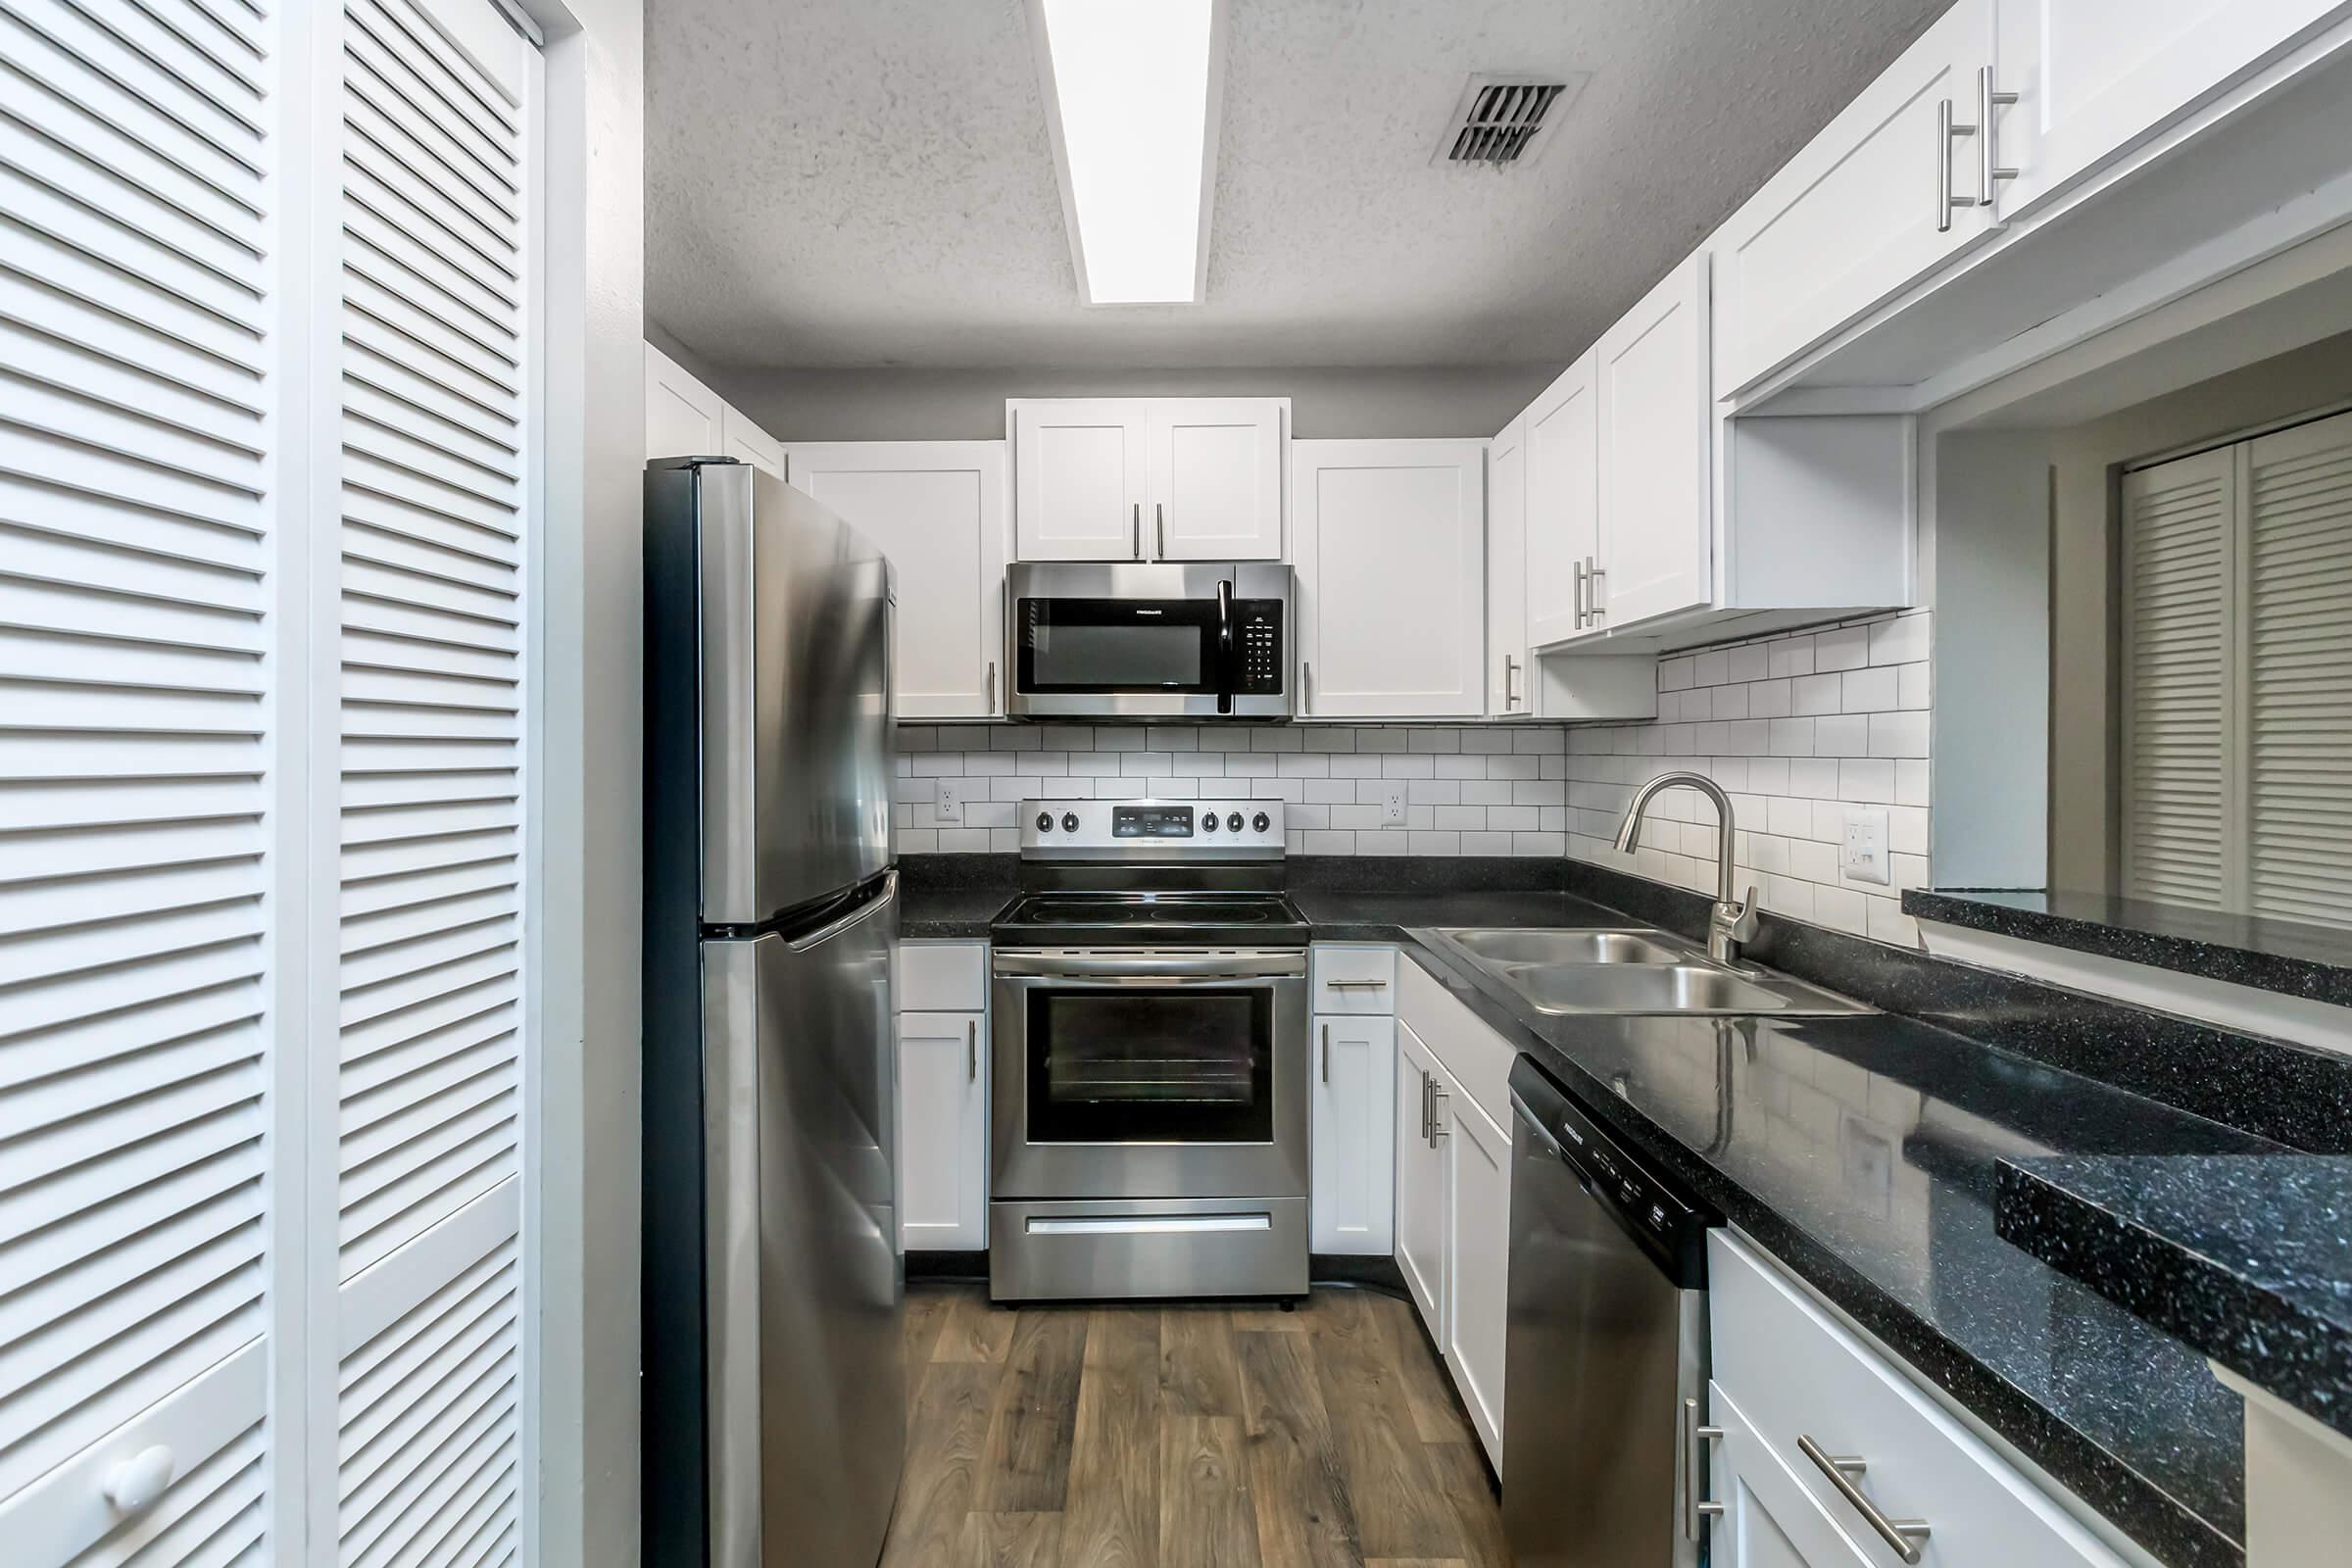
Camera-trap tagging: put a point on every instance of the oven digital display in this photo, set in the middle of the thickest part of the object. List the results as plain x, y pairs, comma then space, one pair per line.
1151, 823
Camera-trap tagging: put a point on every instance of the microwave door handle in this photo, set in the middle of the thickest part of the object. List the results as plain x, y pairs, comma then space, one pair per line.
1225, 672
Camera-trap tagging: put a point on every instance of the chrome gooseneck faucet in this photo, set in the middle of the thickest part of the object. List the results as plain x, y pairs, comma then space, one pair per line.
1731, 921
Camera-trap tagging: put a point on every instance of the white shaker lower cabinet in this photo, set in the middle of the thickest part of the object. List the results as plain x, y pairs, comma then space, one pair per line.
1389, 544
1478, 1249
940, 992
1421, 1206
1790, 1381
942, 1131
939, 510
1453, 1188
1350, 1205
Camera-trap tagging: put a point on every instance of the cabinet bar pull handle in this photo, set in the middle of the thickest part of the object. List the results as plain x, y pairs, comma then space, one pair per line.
1307, 687
971, 1049
1594, 572
1437, 1104
1579, 596
990, 692
1138, 526
1943, 167
1160, 522
1327, 1052
1902, 1535
1989, 170
1696, 1508
1356, 985
1510, 673
1424, 1117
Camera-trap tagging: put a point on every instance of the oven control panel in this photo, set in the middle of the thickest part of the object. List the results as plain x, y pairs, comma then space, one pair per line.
1171, 828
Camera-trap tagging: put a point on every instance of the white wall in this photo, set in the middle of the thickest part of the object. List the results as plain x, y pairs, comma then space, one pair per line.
886, 404
582, 1128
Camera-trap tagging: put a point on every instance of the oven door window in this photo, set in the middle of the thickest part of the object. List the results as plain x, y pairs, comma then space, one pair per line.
1117, 645
1113, 1065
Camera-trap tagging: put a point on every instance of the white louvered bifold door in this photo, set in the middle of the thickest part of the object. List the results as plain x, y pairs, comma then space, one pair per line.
2299, 675
2179, 575
439, 258
141, 733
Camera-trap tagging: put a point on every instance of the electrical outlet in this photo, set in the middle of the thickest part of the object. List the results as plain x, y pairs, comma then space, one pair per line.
1863, 854
948, 804
1392, 801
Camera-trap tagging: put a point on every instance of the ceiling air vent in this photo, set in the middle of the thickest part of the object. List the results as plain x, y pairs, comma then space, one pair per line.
1501, 120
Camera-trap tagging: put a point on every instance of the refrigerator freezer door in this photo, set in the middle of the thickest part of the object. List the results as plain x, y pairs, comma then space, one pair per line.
805, 1381
796, 697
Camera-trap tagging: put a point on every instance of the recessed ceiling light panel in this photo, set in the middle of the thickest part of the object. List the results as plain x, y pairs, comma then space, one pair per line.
1132, 90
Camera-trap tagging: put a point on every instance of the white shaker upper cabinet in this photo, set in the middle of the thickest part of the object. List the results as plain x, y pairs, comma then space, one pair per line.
1562, 524
746, 442
1656, 474
1079, 477
1865, 207
2092, 76
1216, 469
937, 509
1391, 554
1508, 693
683, 418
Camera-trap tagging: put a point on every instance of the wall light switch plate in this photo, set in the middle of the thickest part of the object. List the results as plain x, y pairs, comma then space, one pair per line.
1392, 801
948, 805
1862, 856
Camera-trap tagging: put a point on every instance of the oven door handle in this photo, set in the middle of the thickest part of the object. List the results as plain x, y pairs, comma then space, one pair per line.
1151, 968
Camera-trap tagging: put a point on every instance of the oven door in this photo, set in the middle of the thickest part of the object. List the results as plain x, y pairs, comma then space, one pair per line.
1149, 1074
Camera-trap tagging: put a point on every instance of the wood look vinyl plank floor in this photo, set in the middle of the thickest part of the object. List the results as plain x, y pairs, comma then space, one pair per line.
1184, 1437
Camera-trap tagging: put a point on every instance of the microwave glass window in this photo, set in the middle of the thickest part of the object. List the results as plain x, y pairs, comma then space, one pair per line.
1126, 657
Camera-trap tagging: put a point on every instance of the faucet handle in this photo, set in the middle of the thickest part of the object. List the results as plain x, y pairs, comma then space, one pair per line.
1745, 923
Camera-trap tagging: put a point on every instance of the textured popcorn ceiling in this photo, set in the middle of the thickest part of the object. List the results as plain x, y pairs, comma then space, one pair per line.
868, 182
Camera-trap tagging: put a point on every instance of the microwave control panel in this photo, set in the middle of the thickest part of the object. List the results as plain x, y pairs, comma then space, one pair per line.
1257, 624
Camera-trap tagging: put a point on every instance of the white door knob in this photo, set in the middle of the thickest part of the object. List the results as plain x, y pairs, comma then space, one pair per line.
135, 1483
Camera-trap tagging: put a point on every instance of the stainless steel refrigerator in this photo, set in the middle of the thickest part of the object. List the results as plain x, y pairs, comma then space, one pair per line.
774, 1392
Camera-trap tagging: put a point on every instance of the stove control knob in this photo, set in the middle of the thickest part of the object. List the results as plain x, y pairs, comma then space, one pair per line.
1209, 821
1261, 821
1234, 821
1044, 821
1070, 822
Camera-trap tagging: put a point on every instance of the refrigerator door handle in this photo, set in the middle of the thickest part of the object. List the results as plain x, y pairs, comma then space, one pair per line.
840, 923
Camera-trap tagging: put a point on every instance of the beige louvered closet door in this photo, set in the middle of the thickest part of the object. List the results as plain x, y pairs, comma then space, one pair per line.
141, 734
437, 218
2300, 678
2180, 585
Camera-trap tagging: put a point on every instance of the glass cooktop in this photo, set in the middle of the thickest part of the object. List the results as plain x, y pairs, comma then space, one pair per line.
1168, 913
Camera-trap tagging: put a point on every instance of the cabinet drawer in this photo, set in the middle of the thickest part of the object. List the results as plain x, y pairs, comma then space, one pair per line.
1798, 1373
1479, 1058
1355, 979
942, 977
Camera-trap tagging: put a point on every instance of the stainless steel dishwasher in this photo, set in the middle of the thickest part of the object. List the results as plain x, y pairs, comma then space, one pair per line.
1605, 1359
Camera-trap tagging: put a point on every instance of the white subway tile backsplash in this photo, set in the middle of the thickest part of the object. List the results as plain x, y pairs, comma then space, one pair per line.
1462, 781
1834, 717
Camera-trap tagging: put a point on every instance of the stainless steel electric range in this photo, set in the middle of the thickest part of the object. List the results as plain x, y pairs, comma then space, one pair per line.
1150, 1019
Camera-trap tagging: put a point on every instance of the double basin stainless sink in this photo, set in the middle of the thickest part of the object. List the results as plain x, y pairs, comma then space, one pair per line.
1632, 969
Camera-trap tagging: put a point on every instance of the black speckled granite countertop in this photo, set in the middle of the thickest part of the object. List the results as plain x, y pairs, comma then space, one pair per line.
947, 898
2247, 1259
2291, 956
1862, 1152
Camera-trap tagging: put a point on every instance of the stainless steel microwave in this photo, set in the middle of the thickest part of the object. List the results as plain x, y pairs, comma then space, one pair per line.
1101, 640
